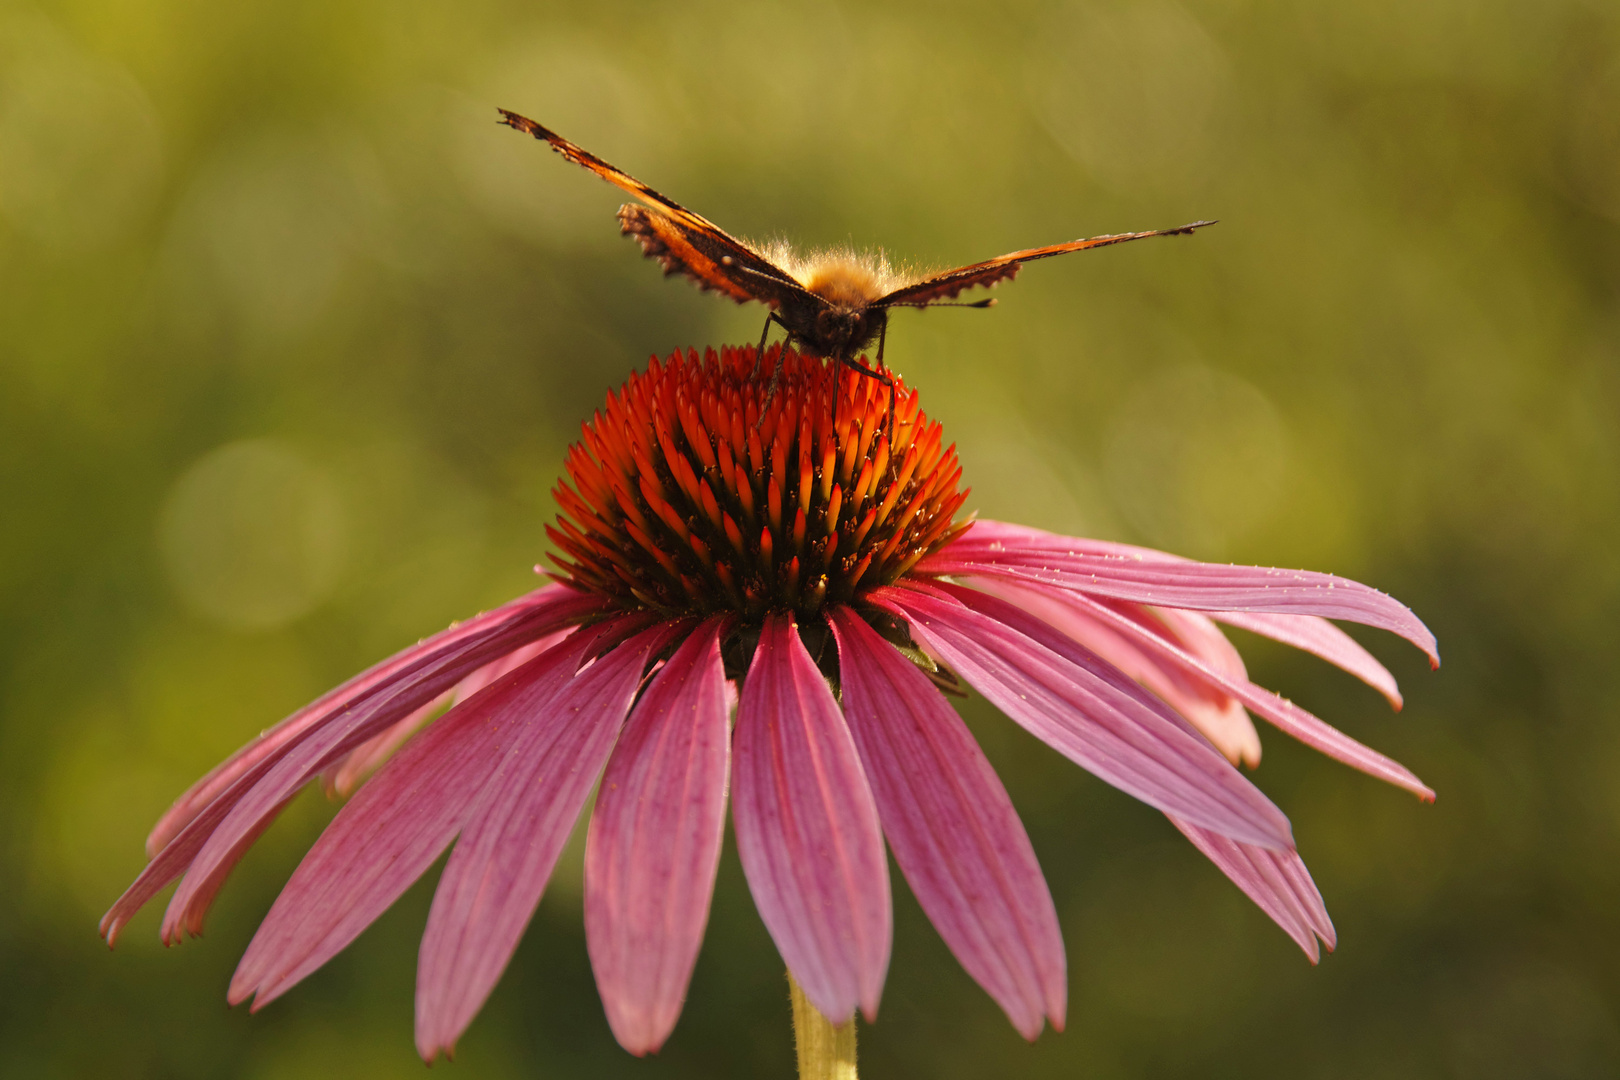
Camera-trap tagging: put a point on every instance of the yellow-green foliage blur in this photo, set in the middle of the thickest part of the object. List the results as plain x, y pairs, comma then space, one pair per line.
293, 337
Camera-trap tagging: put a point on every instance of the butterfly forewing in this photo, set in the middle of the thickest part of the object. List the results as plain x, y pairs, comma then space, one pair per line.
678, 238
947, 285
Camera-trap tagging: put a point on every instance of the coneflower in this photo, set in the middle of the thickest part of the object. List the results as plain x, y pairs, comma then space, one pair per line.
767, 595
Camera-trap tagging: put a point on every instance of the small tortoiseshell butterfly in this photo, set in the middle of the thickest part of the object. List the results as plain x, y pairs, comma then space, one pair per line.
834, 304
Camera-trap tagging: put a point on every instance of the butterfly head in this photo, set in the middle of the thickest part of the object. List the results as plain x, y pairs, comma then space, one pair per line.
842, 331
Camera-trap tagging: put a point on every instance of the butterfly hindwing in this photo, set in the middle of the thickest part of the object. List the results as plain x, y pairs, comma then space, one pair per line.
709, 263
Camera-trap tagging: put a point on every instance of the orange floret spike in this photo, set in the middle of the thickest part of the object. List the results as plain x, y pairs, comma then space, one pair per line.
880, 457
863, 485
835, 507
696, 437
706, 500
849, 437
734, 536
701, 550
829, 461
864, 527
773, 502
756, 452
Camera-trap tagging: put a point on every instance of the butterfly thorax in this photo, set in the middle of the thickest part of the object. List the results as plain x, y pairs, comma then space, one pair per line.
844, 281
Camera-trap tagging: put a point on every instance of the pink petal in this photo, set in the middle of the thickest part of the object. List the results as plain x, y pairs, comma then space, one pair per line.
351, 770
1084, 708
394, 829
952, 829
300, 723
1275, 880
513, 835
1195, 632
1282, 713
654, 843
1151, 577
1308, 632
807, 829
185, 829
179, 852
1320, 637
986, 535
1220, 713
255, 799
1216, 714
343, 776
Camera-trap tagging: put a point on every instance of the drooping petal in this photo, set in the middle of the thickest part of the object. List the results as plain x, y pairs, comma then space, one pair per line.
303, 761
1318, 636
513, 835
1215, 713
952, 829
352, 769
807, 829
393, 830
1085, 708
1144, 577
1308, 632
1277, 881
343, 776
1222, 714
311, 716
1284, 714
274, 772
654, 843
1196, 632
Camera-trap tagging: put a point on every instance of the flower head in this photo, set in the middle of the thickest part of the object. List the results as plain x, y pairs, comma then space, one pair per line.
702, 490
788, 557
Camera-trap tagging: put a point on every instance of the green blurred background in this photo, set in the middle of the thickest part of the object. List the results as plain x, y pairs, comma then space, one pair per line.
293, 337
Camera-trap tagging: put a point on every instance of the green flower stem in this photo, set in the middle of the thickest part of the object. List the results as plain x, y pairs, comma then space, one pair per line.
826, 1052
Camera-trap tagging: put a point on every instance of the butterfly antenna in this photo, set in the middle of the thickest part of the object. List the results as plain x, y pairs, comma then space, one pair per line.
732, 264
927, 304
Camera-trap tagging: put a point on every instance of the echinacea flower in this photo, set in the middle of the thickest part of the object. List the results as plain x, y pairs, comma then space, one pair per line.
783, 556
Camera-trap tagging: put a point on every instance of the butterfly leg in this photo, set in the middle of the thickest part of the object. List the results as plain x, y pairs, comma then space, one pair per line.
881, 375
759, 353
883, 336
781, 358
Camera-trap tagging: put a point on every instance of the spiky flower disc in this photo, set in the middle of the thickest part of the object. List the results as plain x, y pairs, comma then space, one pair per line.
685, 500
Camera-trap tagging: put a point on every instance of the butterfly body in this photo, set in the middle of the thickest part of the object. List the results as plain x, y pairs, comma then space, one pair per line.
840, 320
834, 304
826, 303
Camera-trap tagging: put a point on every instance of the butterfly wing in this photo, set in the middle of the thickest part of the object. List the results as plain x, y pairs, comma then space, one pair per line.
711, 262
947, 285
679, 239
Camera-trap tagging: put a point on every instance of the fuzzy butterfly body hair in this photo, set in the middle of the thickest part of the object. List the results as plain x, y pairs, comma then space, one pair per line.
833, 303
840, 275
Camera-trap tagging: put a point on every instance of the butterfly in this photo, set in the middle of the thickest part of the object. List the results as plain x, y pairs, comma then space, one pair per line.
834, 304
